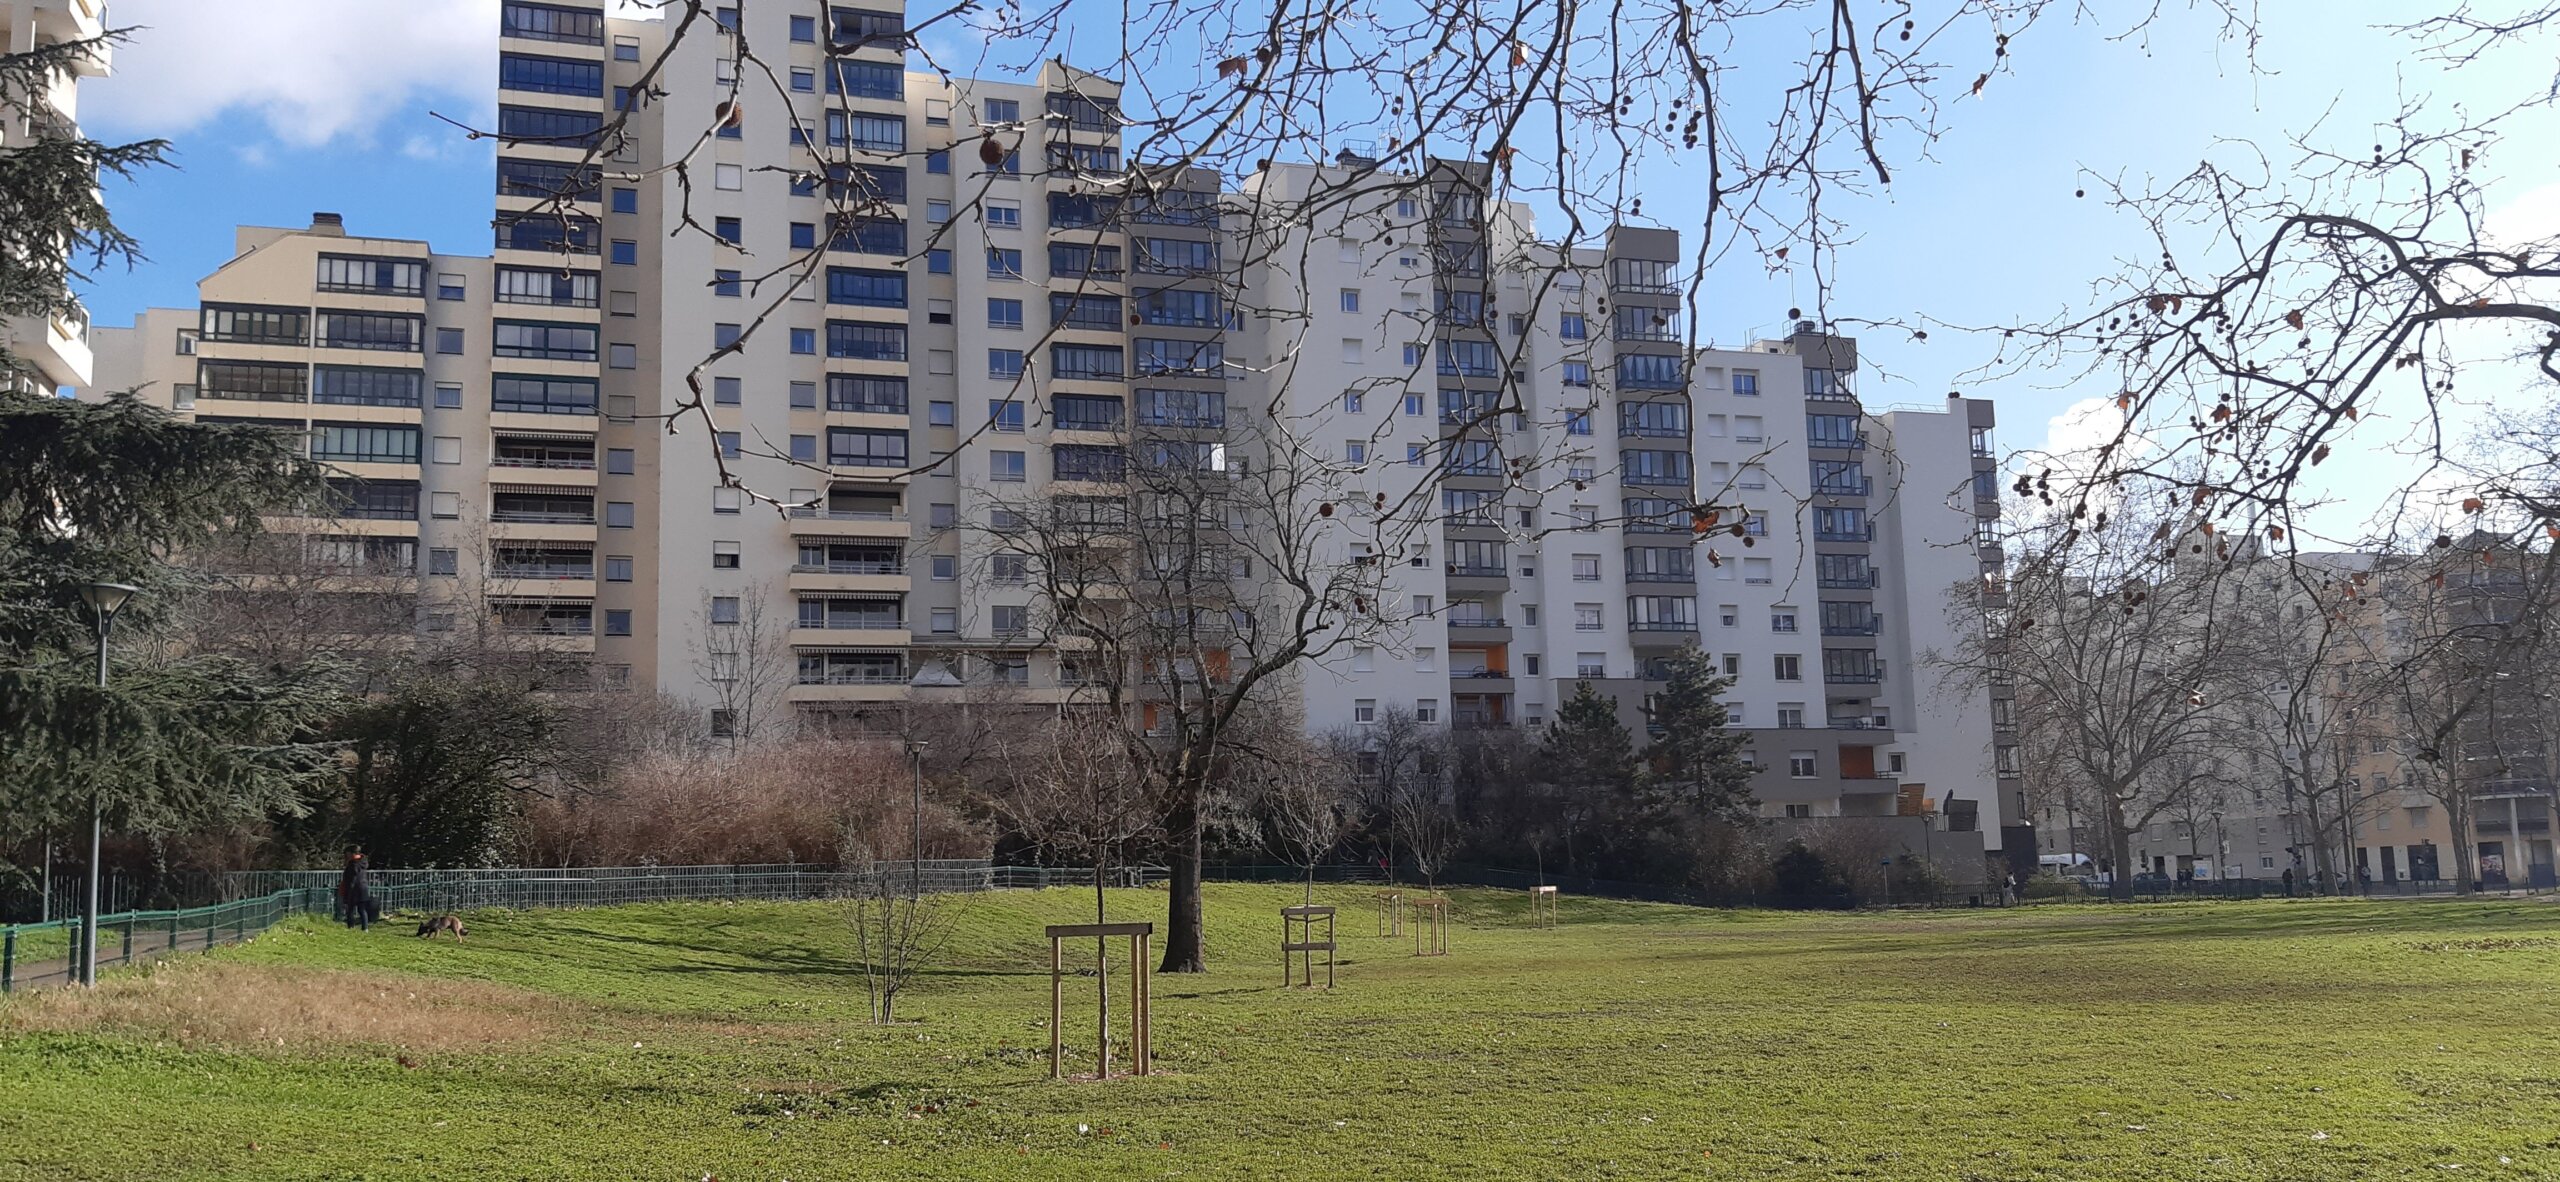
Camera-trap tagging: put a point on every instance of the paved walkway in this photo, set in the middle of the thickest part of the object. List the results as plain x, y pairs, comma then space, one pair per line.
112, 954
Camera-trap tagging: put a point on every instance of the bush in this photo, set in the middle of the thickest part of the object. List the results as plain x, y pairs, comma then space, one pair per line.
805, 802
1802, 878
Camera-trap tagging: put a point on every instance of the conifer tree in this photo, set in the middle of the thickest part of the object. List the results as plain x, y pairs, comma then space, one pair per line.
1694, 762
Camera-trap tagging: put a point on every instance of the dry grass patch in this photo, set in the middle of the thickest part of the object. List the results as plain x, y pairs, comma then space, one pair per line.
198, 1002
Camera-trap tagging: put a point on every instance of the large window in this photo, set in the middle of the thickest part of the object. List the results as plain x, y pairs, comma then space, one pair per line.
1667, 419
550, 75
1195, 309
544, 125
252, 381
1661, 563
871, 236
541, 395
549, 179
1084, 158
1473, 359
373, 276
866, 342
1176, 207
1843, 571
1091, 362
1831, 431
384, 331
1205, 358
373, 500
1660, 515
1097, 312
1095, 262
362, 385
552, 342
1176, 257
1646, 371
1468, 506
1107, 465
365, 443
1083, 113
545, 22
873, 80
1662, 613
1643, 275
255, 325
1182, 408
1075, 211
1085, 412
866, 288
545, 285
1842, 477
1842, 525
866, 395
857, 28
877, 133
853, 447
551, 233
1635, 323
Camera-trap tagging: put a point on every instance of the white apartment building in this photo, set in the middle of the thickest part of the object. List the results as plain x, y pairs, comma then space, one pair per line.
50, 351
982, 336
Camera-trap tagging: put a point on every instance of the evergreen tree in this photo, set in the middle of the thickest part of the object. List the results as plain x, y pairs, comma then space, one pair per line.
54, 225
1695, 760
1584, 783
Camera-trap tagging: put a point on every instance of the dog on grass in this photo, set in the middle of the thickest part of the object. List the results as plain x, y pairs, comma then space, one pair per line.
443, 923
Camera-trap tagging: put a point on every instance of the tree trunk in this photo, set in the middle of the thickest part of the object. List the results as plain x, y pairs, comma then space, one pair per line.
1183, 952
2119, 848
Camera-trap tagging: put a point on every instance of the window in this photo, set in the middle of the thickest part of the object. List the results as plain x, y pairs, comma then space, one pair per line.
1782, 619
1005, 467
544, 285
1788, 667
1590, 665
364, 443
544, 22
1003, 263
1801, 764
444, 562
852, 447
546, 125
625, 253
1364, 711
445, 506
550, 342
1355, 452
938, 163
1004, 215
623, 356
550, 75
1746, 384
1092, 362
1586, 568
1577, 422
724, 556
625, 49
1586, 617
445, 449
1647, 371
728, 177
359, 385
449, 340
937, 261
1004, 313
448, 395
867, 288
1005, 415
1004, 363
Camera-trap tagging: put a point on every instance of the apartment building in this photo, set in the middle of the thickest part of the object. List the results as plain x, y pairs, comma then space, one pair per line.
52, 351
987, 330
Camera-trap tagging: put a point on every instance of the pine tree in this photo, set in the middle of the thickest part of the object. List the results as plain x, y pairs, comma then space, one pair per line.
1586, 748
54, 225
1695, 760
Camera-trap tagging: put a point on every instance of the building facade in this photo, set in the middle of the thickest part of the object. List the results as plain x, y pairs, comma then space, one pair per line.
629, 429
50, 351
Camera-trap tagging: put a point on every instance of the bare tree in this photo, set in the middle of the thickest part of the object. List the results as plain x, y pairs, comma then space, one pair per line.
2130, 666
746, 665
1302, 789
897, 932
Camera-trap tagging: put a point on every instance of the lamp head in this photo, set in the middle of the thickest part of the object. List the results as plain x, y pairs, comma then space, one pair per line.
107, 599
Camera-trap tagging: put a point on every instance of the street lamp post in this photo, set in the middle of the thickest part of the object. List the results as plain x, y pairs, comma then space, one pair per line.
915, 860
104, 600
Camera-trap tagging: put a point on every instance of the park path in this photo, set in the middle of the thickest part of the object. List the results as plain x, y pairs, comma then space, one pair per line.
113, 953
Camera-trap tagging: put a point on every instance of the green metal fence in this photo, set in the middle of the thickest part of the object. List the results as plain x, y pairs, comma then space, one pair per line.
39, 954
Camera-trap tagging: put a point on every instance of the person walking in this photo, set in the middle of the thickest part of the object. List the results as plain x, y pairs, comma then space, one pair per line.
355, 898
2288, 882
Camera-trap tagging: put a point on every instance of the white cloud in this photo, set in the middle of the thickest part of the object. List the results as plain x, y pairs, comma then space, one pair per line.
314, 70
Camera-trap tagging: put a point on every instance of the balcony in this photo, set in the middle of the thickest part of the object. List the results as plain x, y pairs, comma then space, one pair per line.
839, 566
1844, 489
1864, 582
1682, 577
1873, 625
542, 516
547, 571
1479, 629
1863, 534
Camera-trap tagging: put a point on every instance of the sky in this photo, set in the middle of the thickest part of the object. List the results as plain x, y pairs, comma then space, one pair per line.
1985, 231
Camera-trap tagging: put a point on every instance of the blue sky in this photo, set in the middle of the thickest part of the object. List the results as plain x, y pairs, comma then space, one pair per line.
1986, 231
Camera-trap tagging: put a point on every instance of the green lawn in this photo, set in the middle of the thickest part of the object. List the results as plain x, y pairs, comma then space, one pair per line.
2311, 1040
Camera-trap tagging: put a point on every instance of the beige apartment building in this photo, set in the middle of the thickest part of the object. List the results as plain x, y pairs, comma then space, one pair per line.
975, 336
51, 352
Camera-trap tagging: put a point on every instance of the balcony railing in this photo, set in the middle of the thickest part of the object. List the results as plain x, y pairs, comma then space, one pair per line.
858, 675
1857, 444
808, 512
1468, 571
1869, 627
1478, 622
842, 622
1662, 576
1837, 488
1663, 626
553, 462
541, 517
850, 566
542, 570
560, 626
1859, 583
1867, 534
1640, 430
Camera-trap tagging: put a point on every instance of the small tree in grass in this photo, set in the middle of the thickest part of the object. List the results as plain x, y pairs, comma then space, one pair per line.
1302, 790
897, 933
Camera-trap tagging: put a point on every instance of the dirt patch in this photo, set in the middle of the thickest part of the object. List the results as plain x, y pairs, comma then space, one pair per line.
2488, 944
276, 1008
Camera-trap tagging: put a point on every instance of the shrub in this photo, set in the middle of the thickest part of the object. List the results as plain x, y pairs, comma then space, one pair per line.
804, 802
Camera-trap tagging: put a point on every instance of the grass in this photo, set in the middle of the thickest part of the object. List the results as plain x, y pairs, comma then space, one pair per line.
2305, 1039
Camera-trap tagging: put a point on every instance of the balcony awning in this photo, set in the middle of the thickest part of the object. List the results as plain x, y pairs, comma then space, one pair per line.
548, 490
541, 601
552, 436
